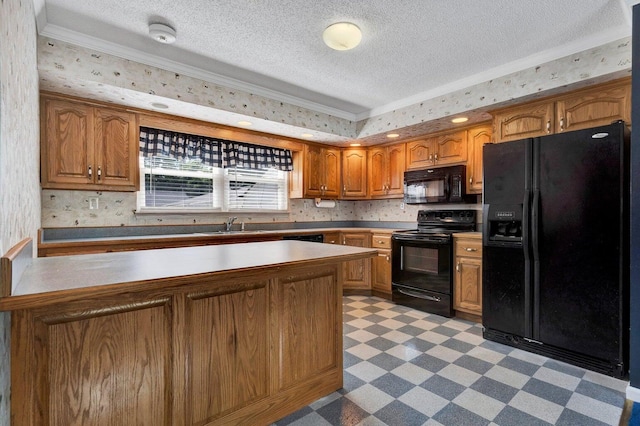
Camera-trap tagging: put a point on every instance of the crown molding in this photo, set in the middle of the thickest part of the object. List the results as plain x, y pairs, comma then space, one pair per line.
94, 43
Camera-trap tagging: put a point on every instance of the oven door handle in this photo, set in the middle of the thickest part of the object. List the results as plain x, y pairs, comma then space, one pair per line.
419, 295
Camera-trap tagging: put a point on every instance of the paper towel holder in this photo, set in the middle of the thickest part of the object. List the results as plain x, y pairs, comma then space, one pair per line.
324, 204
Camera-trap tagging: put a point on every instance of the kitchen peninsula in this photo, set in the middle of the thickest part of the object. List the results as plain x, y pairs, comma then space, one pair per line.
226, 334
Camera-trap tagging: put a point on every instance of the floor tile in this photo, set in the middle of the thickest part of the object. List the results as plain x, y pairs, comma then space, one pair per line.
480, 404
408, 367
420, 399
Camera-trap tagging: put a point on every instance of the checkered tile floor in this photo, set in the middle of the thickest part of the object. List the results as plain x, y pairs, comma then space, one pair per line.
407, 367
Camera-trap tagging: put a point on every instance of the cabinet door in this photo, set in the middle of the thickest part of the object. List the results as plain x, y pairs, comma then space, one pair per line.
331, 237
313, 175
525, 121
67, 145
381, 272
420, 153
451, 148
116, 150
230, 352
477, 137
598, 107
377, 172
357, 272
395, 168
354, 173
468, 285
331, 164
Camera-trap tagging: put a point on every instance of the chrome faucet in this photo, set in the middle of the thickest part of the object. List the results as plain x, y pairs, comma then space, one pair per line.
230, 222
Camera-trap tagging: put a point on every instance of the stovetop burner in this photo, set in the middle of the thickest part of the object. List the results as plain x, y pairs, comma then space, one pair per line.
443, 222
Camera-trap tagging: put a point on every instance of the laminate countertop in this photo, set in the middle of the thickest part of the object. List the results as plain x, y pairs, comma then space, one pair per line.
56, 279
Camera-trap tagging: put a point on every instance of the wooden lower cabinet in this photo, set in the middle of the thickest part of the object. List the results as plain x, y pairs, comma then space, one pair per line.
331, 238
240, 350
467, 282
357, 273
381, 265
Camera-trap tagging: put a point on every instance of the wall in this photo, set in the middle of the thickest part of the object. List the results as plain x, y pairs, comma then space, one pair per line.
62, 209
19, 149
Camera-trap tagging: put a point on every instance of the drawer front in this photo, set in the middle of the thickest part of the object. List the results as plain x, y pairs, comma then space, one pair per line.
468, 247
381, 241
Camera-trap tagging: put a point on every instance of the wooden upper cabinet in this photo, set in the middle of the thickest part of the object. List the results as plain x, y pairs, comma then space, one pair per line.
524, 121
116, 148
597, 107
386, 171
321, 172
451, 148
67, 144
477, 137
420, 153
87, 147
437, 150
354, 173
594, 106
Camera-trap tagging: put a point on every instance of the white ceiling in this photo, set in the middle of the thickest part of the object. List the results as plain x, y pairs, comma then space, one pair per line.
411, 49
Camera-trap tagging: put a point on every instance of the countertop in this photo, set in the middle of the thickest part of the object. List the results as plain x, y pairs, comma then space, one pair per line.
54, 279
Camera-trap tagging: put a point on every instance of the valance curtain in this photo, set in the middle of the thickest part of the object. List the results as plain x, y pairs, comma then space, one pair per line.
213, 152
181, 146
247, 156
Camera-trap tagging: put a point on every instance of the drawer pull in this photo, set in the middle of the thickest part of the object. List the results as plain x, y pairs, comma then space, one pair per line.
470, 249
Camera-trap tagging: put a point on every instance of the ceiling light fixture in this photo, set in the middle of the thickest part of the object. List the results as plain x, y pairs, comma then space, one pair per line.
159, 105
355, 144
244, 123
306, 135
459, 120
392, 135
162, 33
342, 36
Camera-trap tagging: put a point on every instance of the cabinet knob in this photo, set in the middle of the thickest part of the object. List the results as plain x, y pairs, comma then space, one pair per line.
548, 126
471, 179
561, 124
436, 157
388, 258
458, 267
90, 172
99, 172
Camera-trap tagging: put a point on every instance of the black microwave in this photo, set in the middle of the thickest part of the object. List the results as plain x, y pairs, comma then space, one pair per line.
436, 185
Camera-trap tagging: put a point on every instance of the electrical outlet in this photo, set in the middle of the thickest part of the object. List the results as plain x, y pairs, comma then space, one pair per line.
93, 203
402, 206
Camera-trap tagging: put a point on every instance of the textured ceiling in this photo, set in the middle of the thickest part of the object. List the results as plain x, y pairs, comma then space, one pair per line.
411, 49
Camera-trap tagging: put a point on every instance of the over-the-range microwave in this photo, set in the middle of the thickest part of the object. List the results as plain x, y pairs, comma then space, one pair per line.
436, 185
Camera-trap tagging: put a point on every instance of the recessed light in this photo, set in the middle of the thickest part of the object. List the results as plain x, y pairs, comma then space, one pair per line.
244, 123
393, 135
355, 144
162, 33
159, 105
306, 135
460, 120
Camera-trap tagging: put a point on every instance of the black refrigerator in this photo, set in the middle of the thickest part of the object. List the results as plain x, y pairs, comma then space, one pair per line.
556, 246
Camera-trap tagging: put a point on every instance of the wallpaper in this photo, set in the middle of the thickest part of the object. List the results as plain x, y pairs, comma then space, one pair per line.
19, 150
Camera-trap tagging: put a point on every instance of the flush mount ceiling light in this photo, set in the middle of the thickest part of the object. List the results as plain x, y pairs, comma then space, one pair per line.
245, 123
392, 135
162, 33
459, 120
342, 36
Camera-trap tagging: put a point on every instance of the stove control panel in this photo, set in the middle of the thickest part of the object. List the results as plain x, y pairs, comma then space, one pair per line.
447, 216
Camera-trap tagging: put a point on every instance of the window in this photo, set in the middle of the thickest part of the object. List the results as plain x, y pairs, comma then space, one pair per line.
171, 184
183, 172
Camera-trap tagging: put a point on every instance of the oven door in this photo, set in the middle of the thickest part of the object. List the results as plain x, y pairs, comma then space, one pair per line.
421, 273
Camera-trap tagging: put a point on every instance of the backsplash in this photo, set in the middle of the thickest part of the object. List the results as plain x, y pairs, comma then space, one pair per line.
64, 209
